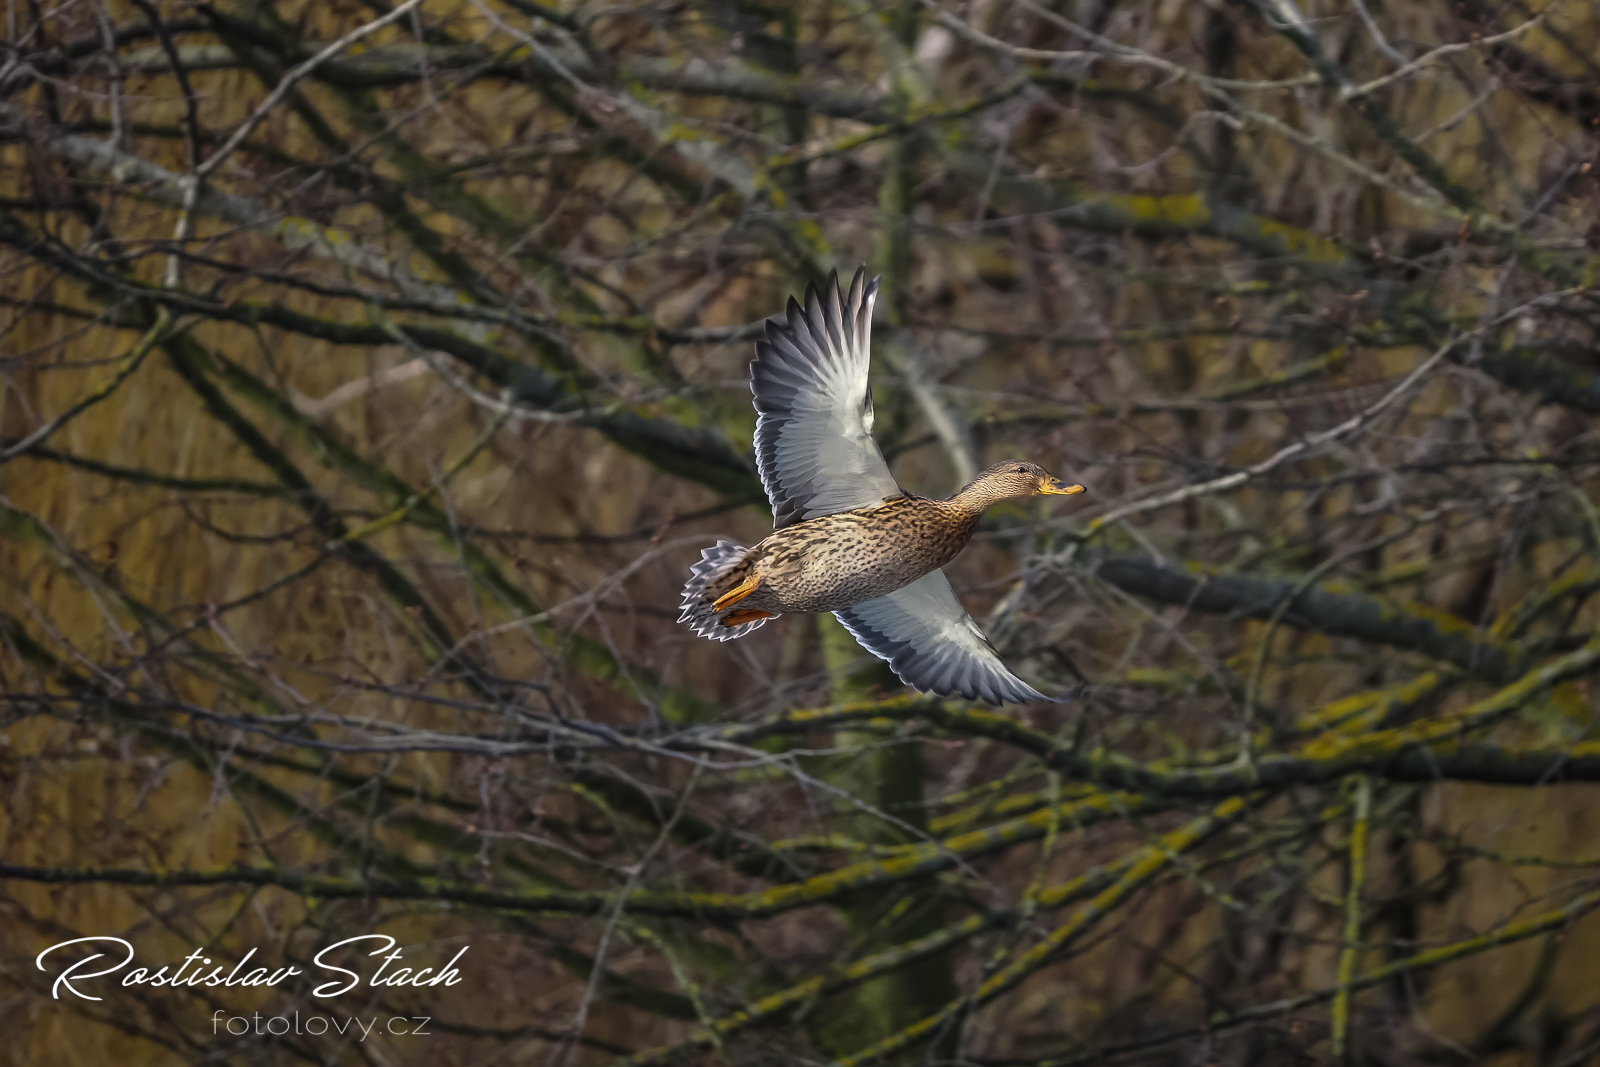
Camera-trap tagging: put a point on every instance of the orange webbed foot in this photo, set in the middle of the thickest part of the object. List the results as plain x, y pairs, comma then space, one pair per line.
737, 593
739, 618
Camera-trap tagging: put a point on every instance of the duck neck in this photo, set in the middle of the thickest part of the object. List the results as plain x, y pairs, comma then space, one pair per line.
974, 498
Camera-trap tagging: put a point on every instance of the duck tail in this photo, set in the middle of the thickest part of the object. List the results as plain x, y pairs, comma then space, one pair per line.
715, 562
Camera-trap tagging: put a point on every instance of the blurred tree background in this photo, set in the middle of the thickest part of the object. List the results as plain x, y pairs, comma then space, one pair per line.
371, 374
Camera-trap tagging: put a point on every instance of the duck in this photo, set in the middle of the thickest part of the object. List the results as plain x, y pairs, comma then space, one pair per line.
846, 537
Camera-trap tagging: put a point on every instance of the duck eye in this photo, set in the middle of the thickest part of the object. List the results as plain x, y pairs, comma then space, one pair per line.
1022, 470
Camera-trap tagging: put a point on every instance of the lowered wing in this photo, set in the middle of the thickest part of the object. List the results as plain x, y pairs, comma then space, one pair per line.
932, 643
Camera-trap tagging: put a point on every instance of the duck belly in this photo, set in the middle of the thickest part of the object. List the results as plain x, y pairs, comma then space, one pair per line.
835, 561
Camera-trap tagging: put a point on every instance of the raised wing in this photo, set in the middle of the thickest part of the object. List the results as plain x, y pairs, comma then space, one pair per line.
932, 643
814, 445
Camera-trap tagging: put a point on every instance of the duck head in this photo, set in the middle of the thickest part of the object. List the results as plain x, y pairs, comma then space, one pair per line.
1015, 478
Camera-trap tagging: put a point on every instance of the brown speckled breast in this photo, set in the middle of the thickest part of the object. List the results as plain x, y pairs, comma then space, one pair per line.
834, 561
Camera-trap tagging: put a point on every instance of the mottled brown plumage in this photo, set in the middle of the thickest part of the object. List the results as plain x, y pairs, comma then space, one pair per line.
835, 561
847, 538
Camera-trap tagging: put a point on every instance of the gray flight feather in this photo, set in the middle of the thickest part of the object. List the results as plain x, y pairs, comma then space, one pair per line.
933, 644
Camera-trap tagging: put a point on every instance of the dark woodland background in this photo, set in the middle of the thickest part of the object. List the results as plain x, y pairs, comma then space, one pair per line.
370, 375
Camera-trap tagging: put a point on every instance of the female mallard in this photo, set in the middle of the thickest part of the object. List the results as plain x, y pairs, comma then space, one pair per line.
846, 538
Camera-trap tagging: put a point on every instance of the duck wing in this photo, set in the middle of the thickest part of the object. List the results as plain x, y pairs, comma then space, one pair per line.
933, 644
814, 446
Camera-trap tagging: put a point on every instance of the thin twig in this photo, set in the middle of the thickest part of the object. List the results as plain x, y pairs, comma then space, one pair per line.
288, 81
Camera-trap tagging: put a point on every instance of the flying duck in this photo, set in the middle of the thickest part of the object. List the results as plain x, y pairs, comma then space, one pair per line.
846, 538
